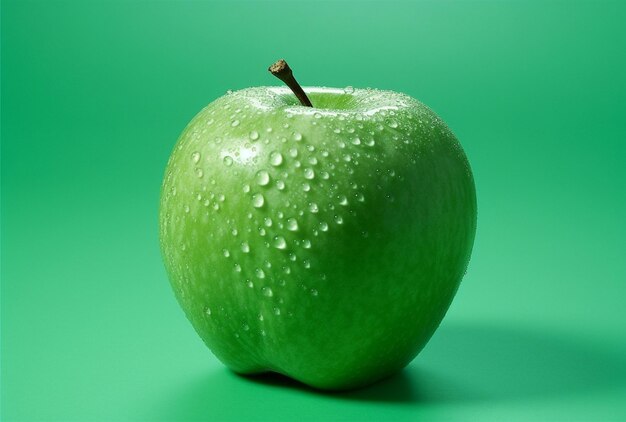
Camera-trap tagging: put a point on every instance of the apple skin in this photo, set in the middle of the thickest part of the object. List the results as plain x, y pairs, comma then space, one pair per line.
325, 243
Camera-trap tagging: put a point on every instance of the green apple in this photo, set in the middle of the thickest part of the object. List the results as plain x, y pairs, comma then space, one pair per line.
324, 243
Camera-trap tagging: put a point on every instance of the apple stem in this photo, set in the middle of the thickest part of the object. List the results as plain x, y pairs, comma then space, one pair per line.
282, 71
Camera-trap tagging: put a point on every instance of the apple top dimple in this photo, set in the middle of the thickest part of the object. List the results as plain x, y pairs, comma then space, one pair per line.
341, 102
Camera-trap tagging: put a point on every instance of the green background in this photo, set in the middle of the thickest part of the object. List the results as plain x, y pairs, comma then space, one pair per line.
94, 96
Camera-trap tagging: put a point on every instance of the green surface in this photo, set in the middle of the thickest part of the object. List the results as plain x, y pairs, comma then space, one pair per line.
94, 96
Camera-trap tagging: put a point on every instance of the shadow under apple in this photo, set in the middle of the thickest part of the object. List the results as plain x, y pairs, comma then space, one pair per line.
479, 362
461, 363
466, 362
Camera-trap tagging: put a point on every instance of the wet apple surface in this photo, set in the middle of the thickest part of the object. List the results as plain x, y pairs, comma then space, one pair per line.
324, 243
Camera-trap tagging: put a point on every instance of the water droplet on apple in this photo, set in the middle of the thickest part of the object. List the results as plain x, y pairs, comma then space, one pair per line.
276, 158
313, 207
317, 115
245, 327
228, 161
237, 268
306, 244
297, 136
246, 188
254, 135
393, 124
280, 184
309, 173
359, 197
186, 208
356, 141
245, 248
338, 219
267, 291
207, 311
250, 284
199, 173
276, 311
262, 178
292, 224
314, 292
226, 253
259, 273
195, 157
306, 187
258, 200
324, 226
235, 123
349, 89
279, 242
306, 263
